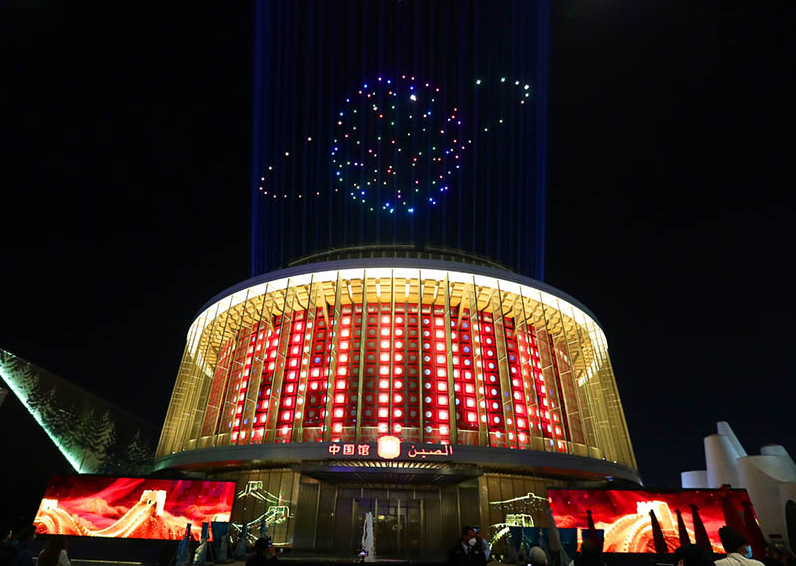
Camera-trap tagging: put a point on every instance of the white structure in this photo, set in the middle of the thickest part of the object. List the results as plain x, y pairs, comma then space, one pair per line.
769, 478
367, 537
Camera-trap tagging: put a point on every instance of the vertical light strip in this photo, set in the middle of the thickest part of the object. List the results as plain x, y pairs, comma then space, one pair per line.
203, 383
526, 368
453, 429
597, 406
332, 363
503, 369
550, 374
225, 433
478, 370
420, 401
250, 322
579, 381
285, 328
211, 334
627, 446
522, 339
390, 429
306, 346
199, 366
224, 379
622, 435
167, 432
261, 325
576, 342
362, 341
556, 319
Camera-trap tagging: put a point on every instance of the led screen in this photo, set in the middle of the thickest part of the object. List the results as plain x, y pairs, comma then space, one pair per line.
132, 507
625, 515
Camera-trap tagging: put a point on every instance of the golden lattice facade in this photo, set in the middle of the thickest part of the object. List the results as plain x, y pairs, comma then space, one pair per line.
435, 352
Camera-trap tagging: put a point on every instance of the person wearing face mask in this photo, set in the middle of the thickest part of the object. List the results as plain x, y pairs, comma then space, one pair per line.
739, 553
468, 550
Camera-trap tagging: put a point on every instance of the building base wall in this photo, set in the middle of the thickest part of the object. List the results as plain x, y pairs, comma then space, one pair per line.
410, 521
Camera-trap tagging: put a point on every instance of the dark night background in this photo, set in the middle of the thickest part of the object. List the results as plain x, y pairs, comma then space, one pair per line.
125, 200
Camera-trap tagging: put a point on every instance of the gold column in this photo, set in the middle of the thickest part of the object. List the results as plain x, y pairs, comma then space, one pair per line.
503, 369
421, 403
478, 373
334, 327
547, 370
211, 338
597, 409
223, 436
309, 330
528, 378
453, 429
167, 437
578, 369
589, 421
252, 321
480, 368
258, 361
555, 322
281, 360
392, 352
362, 340
196, 404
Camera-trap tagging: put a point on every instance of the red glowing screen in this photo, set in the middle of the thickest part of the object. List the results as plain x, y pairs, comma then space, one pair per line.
625, 515
132, 507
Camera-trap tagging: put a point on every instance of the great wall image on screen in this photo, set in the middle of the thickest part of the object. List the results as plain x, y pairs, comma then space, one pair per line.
132, 508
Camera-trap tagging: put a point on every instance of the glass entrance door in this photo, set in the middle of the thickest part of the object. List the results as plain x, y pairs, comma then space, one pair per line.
397, 526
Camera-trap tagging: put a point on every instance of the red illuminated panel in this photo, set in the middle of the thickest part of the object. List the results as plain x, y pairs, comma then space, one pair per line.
317, 378
544, 416
624, 515
407, 348
249, 359
270, 348
290, 380
344, 384
492, 389
376, 376
436, 408
216, 391
464, 378
396, 341
522, 423
552, 382
132, 508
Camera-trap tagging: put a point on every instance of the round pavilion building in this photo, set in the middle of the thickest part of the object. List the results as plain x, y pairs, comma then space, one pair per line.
431, 390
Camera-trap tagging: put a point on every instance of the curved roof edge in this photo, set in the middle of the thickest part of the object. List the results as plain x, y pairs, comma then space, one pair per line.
488, 458
421, 264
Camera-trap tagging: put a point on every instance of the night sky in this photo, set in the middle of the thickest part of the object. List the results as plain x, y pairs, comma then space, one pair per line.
126, 200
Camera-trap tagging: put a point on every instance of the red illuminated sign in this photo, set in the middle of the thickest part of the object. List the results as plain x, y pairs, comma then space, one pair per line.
390, 449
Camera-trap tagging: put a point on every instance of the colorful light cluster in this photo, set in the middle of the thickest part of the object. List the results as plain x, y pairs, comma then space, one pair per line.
396, 146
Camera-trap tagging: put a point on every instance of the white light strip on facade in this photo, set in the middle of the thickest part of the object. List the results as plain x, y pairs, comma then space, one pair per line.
595, 332
22, 396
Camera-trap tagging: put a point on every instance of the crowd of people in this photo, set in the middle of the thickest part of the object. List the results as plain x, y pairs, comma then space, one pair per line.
16, 549
470, 550
473, 550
